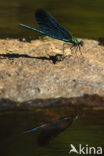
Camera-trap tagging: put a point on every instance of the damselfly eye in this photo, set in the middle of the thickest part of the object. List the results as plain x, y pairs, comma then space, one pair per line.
81, 43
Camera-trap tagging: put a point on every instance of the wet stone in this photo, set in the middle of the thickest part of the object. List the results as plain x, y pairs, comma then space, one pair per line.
38, 69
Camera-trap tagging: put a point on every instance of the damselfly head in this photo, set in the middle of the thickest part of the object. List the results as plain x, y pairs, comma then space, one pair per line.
81, 43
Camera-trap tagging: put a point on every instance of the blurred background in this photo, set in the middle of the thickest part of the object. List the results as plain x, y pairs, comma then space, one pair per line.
83, 18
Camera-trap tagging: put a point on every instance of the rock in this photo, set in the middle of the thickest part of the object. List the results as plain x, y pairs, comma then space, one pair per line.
35, 70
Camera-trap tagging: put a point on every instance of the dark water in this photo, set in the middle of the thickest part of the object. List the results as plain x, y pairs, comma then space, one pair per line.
87, 129
83, 18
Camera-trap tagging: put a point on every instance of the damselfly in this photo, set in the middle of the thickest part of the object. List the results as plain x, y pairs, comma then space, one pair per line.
50, 27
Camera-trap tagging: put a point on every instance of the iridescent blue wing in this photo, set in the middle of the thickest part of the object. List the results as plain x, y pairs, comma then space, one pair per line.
51, 27
53, 130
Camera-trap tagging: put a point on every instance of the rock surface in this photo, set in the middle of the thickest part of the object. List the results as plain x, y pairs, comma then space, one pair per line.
29, 71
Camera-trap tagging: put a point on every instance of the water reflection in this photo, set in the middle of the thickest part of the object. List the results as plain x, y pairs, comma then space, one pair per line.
52, 129
87, 129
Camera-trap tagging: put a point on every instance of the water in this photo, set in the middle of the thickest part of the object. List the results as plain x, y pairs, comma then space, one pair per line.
83, 18
87, 129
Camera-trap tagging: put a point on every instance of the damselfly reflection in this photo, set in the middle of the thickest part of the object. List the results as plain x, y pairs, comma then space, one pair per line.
52, 129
